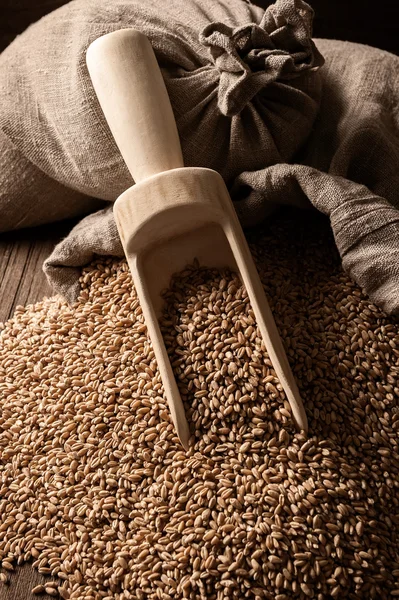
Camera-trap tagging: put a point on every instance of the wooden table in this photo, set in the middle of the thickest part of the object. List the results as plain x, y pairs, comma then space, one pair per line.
22, 254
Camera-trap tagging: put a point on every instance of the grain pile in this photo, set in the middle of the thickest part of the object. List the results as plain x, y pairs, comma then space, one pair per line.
96, 490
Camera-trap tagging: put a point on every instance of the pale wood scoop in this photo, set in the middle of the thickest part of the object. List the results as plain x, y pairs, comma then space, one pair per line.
173, 214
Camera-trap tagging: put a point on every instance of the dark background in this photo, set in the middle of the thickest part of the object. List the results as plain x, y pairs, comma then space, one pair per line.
351, 20
355, 21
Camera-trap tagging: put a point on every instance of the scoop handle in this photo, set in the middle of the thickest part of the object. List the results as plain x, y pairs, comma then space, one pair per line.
132, 94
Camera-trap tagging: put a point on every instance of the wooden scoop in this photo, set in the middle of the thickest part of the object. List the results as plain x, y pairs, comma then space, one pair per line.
173, 214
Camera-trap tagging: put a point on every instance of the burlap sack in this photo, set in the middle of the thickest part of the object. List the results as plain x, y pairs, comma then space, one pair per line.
242, 83
245, 91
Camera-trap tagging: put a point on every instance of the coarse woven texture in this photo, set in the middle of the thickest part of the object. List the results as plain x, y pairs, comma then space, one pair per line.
234, 74
95, 487
243, 82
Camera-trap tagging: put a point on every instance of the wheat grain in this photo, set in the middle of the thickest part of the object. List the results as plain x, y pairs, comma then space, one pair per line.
96, 489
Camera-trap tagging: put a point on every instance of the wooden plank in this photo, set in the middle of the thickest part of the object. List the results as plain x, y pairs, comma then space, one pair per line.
14, 261
22, 254
21, 583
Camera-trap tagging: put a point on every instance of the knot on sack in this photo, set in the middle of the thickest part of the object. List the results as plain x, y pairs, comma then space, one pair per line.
251, 57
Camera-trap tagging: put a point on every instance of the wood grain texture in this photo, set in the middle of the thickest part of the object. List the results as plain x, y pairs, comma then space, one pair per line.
22, 253
21, 583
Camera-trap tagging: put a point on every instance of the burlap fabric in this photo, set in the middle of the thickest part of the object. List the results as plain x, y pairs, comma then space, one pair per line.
246, 88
